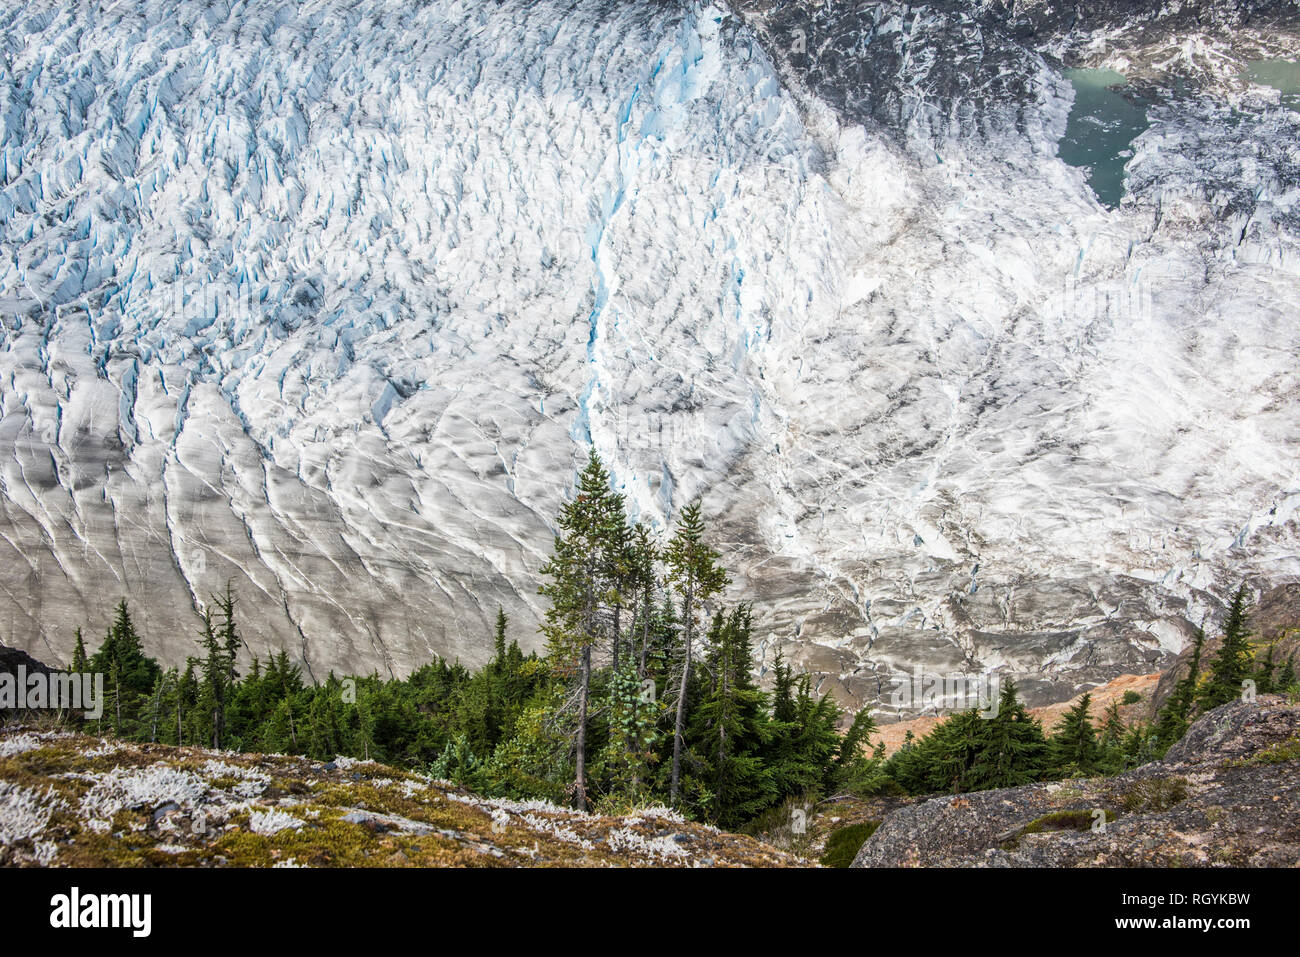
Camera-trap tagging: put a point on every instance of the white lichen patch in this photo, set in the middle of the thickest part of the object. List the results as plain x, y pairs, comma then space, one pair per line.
535, 805
558, 830
206, 803
367, 818
272, 821
19, 744
250, 784
24, 812
626, 839
123, 788
660, 813
344, 763
414, 787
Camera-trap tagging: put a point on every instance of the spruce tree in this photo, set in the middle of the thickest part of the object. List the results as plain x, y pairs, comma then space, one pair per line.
1266, 671
1013, 749
323, 724
187, 696
642, 581
1231, 665
1073, 749
804, 740
956, 745
696, 575
856, 772
580, 593
618, 570
633, 720
731, 725
215, 684
1176, 713
1286, 679
80, 663
907, 765
499, 636
1141, 745
129, 672
1112, 738
160, 690
116, 691
662, 642
228, 635
789, 773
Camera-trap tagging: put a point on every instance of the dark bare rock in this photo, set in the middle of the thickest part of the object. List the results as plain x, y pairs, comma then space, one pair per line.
1240, 731
11, 658
1228, 794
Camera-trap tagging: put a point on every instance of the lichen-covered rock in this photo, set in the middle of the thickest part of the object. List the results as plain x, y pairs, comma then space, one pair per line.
70, 800
1236, 730
1227, 794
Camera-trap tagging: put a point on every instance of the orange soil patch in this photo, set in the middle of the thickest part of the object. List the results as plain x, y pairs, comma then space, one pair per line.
1049, 715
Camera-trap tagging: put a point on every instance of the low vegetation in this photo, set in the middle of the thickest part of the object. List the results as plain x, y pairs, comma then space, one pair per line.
844, 843
73, 800
646, 695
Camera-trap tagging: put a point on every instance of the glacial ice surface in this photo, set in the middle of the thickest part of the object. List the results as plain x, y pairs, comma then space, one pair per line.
328, 300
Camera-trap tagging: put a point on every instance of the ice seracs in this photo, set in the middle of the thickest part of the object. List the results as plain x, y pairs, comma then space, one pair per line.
327, 300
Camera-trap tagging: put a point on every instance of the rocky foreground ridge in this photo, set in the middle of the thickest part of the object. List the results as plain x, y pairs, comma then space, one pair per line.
1228, 794
72, 800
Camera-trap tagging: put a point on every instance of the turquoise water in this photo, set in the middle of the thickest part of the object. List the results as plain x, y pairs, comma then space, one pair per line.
1283, 75
1100, 131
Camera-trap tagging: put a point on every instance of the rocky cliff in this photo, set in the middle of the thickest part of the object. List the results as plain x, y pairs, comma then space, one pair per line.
1228, 794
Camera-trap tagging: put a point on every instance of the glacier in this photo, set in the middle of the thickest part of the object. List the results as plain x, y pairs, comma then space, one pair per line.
327, 301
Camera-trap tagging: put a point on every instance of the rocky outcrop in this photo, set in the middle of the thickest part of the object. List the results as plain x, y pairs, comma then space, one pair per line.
1227, 794
12, 658
70, 800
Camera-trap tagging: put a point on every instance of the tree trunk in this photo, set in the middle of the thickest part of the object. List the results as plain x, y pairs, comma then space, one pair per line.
679, 724
645, 632
631, 631
580, 775
293, 732
617, 609
157, 703
726, 712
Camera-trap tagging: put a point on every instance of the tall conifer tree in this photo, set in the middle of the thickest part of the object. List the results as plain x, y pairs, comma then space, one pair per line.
581, 593
1231, 664
696, 575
